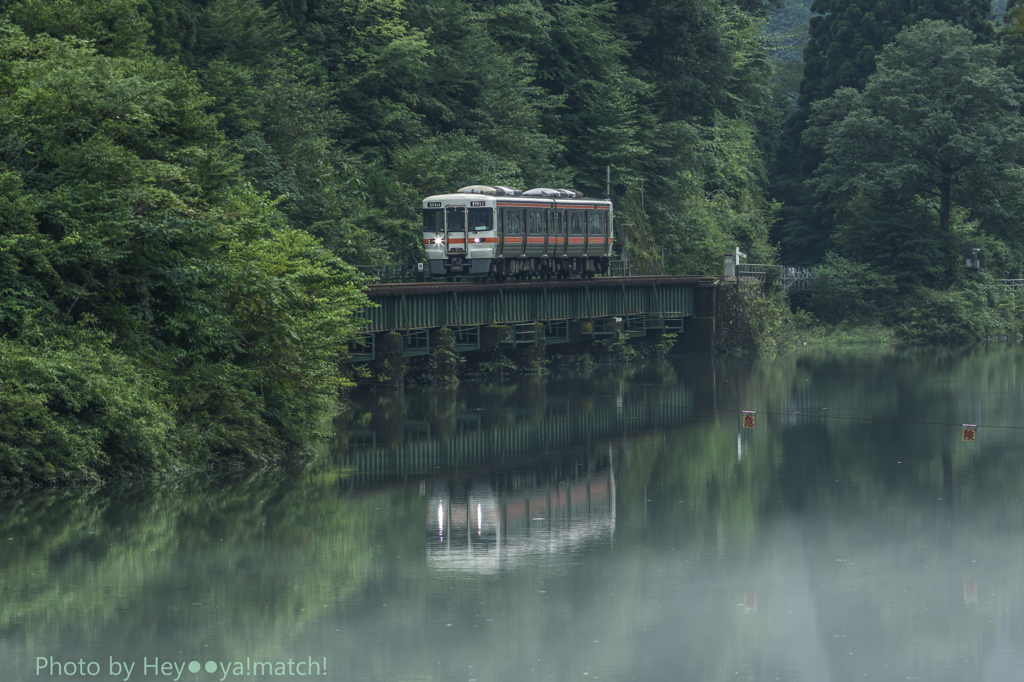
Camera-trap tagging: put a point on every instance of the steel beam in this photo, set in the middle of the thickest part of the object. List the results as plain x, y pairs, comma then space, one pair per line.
402, 307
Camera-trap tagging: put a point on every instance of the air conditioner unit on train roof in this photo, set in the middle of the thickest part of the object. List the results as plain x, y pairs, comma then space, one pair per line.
552, 193
497, 190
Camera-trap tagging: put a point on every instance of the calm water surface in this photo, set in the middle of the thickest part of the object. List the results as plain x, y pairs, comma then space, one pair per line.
618, 526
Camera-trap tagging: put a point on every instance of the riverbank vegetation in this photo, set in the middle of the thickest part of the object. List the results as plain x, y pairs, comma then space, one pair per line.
852, 305
901, 161
187, 188
855, 304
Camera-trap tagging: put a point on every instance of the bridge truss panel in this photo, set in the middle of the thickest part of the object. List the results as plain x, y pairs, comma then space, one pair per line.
467, 305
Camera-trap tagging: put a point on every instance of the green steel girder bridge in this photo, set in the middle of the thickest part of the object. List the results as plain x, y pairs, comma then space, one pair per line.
492, 316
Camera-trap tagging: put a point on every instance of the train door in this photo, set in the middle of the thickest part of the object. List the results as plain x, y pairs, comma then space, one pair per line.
513, 233
534, 232
606, 222
455, 230
576, 239
586, 233
499, 231
550, 234
595, 233
557, 238
547, 233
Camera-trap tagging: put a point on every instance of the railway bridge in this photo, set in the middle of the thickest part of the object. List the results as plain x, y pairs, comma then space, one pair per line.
491, 316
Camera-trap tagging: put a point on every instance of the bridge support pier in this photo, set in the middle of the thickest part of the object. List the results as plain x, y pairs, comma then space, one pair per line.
733, 331
388, 369
699, 331
575, 338
492, 336
532, 357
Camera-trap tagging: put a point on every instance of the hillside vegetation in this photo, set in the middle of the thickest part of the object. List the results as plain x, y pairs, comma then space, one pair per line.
187, 186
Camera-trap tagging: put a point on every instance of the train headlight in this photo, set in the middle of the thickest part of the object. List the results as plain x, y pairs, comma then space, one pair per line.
438, 241
476, 240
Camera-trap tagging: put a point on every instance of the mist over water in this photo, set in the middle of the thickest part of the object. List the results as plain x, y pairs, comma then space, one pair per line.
616, 526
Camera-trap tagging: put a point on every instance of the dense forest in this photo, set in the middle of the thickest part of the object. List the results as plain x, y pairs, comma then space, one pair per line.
187, 187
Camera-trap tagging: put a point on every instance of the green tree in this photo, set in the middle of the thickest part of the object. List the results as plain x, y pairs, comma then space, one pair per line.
115, 28
700, 118
938, 123
581, 62
845, 38
281, 120
155, 309
376, 59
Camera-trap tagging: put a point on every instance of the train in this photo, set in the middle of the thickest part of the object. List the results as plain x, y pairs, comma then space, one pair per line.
483, 231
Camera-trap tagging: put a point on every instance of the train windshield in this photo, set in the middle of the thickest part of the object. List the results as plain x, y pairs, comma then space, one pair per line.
433, 220
481, 219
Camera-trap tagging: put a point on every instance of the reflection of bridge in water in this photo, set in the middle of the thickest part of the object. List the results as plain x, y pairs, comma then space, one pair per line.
509, 435
479, 529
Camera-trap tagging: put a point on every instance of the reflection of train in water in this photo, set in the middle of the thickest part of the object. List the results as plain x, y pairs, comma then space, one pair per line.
471, 527
483, 230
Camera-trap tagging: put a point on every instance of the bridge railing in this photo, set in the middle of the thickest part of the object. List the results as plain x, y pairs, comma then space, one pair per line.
1014, 284
617, 268
791, 277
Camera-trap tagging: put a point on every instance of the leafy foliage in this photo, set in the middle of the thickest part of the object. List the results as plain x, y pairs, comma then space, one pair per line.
153, 306
184, 184
845, 39
939, 124
845, 290
73, 408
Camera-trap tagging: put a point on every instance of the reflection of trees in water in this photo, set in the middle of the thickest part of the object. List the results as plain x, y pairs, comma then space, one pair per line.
248, 565
793, 460
236, 565
893, 516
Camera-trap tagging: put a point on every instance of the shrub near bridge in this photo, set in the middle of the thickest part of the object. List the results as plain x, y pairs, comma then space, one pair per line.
845, 290
855, 293
979, 310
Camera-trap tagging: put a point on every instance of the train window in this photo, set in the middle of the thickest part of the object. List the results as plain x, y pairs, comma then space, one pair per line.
433, 220
513, 222
534, 222
596, 223
456, 218
575, 222
480, 219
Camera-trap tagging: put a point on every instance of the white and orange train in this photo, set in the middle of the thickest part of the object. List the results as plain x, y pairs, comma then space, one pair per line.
484, 230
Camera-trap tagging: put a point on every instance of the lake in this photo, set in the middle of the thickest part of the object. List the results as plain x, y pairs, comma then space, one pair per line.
621, 524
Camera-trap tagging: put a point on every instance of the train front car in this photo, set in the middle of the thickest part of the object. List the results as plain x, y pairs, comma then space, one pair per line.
459, 235
484, 230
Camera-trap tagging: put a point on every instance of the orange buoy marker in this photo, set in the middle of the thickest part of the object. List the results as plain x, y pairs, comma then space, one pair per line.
970, 432
749, 419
